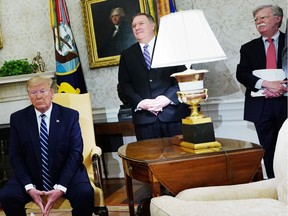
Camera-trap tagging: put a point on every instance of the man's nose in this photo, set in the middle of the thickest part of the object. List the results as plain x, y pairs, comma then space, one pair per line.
38, 94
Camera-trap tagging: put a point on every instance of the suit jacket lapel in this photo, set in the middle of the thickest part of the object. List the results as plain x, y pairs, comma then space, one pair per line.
153, 49
34, 132
138, 52
53, 132
281, 44
260, 56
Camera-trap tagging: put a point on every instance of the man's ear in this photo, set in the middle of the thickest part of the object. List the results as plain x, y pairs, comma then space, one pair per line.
279, 19
52, 92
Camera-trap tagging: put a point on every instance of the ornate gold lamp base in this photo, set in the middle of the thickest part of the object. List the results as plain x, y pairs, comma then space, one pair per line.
193, 98
197, 129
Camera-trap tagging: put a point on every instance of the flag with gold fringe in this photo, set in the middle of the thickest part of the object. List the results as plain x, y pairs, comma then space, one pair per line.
69, 74
150, 7
172, 6
159, 8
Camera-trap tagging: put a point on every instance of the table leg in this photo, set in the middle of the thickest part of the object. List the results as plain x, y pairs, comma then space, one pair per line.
129, 190
259, 174
144, 206
104, 165
155, 189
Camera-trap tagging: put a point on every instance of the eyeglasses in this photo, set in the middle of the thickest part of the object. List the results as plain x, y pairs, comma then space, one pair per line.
262, 18
42, 92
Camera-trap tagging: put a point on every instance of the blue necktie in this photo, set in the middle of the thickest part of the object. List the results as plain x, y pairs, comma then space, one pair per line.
147, 56
47, 183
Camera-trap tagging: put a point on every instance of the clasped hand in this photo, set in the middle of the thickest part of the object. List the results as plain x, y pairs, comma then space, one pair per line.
155, 105
275, 88
39, 197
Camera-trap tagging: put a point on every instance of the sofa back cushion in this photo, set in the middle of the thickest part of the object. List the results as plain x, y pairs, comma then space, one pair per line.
280, 163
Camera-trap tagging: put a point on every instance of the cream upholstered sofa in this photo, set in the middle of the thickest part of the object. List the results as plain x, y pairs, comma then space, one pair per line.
267, 197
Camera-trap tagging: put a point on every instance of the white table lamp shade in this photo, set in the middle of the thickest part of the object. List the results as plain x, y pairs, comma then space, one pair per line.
185, 37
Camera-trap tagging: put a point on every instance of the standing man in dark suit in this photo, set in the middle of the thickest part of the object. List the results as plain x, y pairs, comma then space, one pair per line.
66, 173
268, 112
150, 92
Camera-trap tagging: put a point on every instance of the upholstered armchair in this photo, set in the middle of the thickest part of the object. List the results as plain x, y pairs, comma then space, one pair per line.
91, 152
267, 197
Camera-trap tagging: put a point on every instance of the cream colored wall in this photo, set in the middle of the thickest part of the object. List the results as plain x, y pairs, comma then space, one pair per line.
25, 26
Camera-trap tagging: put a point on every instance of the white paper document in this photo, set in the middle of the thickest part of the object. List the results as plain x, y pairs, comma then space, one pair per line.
269, 75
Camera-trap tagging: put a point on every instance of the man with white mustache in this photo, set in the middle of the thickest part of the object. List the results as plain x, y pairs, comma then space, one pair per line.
267, 112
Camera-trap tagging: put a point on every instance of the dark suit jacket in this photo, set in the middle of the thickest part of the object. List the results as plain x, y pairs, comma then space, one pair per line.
65, 147
253, 57
138, 83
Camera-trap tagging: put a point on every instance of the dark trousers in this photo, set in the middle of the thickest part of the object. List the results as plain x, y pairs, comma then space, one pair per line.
272, 118
158, 129
13, 198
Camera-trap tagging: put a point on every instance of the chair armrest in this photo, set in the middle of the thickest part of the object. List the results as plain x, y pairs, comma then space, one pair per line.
96, 170
260, 189
96, 150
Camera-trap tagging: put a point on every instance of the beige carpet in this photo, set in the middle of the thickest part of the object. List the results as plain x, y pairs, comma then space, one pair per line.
67, 212
53, 213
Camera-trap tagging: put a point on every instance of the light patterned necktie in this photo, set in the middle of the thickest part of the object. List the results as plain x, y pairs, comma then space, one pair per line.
47, 183
271, 55
147, 56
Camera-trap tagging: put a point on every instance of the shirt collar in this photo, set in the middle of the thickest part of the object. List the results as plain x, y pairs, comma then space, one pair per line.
150, 44
47, 113
275, 37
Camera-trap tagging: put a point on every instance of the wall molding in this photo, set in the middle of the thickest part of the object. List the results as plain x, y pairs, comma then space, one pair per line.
13, 94
226, 115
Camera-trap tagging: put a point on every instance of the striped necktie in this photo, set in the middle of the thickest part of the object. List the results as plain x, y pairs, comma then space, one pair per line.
47, 183
147, 56
271, 55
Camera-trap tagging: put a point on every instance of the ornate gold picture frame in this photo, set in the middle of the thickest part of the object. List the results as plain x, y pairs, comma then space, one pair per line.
1, 39
102, 47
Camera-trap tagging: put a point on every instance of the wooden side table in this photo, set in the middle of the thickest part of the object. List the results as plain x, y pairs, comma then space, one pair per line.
104, 129
160, 162
126, 128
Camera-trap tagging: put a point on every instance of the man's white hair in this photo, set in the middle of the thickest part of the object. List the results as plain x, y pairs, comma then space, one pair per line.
117, 11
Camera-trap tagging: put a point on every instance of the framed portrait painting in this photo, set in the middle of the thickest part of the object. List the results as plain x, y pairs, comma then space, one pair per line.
1, 40
108, 35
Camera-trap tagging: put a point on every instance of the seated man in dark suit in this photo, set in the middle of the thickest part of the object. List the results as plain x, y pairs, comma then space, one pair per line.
45, 152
